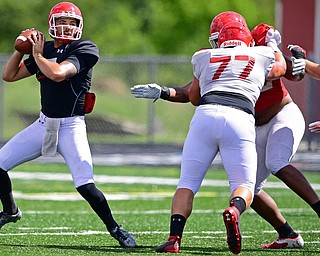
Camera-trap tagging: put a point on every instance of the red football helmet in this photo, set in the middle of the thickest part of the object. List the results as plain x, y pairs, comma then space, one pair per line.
65, 10
234, 34
219, 21
259, 33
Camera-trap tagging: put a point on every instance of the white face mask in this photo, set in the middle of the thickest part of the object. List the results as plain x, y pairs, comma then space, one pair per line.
68, 32
213, 40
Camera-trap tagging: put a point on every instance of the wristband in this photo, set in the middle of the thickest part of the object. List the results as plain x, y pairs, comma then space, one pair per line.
165, 93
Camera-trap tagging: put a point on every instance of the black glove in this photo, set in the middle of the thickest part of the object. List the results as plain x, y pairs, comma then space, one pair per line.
297, 51
165, 93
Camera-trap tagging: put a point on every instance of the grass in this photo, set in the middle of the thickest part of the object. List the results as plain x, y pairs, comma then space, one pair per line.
57, 221
169, 122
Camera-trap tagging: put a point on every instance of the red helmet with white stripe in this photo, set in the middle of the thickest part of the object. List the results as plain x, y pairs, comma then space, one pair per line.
65, 10
234, 34
219, 21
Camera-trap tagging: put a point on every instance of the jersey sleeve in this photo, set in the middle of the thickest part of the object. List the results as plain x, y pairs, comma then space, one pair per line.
83, 55
267, 52
197, 60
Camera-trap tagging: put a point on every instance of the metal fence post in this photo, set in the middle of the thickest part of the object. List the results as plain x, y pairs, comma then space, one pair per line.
151, 109
2, 61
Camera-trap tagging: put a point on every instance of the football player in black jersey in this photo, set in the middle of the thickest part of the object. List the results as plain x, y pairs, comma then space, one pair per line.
63, 67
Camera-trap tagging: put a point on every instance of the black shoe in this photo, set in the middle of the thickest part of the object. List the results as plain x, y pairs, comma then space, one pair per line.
125, 239
7, 218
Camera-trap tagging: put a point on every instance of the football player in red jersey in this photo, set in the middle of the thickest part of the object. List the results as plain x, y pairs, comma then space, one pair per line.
279, 129
263, 203
63, 67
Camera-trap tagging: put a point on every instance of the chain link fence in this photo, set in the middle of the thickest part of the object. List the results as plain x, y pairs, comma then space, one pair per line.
118, 117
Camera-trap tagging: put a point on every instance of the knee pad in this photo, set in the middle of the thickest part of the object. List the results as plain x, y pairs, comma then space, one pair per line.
275, 165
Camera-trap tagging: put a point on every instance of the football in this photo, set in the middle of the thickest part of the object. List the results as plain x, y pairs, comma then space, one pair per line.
22, 43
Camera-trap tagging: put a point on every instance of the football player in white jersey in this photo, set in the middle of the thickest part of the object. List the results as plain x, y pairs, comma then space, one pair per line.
226, 85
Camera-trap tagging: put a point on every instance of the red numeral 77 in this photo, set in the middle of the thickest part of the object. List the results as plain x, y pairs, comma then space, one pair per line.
226, 60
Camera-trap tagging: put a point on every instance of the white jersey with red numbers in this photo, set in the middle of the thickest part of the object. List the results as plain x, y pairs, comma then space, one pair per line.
272, 93
218, 70
228, 78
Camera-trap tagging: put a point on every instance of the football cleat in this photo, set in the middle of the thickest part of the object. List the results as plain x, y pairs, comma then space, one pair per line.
282, 243
172, 245
7, 218
231, 220
125, 239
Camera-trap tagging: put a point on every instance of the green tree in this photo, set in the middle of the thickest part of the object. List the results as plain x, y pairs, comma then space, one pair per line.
125, 27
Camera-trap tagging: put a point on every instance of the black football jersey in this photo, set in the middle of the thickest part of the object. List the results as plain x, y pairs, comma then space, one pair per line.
66, 98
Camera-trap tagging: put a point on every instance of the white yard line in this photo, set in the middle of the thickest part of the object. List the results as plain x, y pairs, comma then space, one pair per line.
74, 196
132, 179
155, 212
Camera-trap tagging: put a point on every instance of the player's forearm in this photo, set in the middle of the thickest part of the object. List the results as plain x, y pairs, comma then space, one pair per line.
179, 93
279, 67
49, 69
55, 71
313, 69
12, 68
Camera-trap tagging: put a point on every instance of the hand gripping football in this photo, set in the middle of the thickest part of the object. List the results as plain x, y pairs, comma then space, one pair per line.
22, 44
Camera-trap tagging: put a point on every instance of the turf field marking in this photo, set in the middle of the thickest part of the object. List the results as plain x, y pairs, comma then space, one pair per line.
74, 196
196, 234
133, 179
154, 212
50, 228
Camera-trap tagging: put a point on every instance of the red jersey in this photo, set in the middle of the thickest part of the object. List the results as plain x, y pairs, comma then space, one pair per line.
272, 93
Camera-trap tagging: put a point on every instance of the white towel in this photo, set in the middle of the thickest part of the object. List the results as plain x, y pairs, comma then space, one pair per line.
50, 141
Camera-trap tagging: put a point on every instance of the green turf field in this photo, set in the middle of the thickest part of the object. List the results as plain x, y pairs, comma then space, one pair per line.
57, 221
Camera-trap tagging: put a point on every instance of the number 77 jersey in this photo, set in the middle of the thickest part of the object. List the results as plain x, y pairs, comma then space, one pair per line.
241, 70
